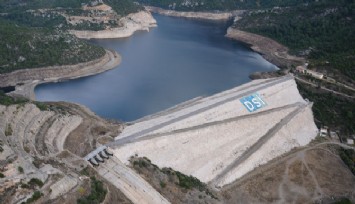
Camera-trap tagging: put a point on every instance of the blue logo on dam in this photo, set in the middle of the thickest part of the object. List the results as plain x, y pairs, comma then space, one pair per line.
253, 102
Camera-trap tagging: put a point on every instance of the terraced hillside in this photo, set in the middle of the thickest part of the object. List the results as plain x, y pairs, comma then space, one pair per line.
35, 155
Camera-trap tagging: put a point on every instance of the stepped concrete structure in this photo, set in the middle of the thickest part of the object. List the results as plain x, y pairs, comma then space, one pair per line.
220, 138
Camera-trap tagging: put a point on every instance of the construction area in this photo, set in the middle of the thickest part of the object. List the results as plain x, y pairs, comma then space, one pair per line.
220, 138
255, 143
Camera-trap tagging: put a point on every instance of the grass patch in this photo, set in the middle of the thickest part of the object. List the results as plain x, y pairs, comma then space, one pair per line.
348, 156
8, 130
189, 182
35, 196
41, 106
1, 148
8, 100
162, 184
170, 179
330, 110
343, 201
35, 181
20, 169
97, 194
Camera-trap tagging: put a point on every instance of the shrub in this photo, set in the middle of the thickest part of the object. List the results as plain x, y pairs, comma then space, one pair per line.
162, 184
97, 194
20, 169
36, 195
8, 131
189, 182
35, 181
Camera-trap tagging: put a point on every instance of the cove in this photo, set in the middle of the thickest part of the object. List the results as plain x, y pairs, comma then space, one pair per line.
179, 60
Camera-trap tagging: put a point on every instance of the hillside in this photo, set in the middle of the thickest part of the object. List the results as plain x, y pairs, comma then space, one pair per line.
35, 33
25, 47
221, 5
75, 15
324, 33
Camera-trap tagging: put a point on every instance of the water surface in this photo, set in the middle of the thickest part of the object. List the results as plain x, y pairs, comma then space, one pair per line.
177, 61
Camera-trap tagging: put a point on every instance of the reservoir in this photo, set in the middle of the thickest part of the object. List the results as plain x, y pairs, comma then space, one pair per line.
179, 60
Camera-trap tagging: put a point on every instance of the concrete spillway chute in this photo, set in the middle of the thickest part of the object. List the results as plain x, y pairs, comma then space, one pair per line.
93, 162
103, 155
107, 152
98, 159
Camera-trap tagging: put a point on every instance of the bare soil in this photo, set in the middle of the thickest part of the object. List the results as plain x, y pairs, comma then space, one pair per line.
313, 175
167, 183
83, 139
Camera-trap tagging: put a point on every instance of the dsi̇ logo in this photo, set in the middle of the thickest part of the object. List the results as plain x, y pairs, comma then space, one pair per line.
253, 102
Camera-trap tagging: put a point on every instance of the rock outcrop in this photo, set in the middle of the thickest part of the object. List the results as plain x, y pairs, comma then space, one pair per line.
196, 15
142, 20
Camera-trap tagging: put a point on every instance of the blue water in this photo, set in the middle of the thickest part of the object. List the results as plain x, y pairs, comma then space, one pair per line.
177, 61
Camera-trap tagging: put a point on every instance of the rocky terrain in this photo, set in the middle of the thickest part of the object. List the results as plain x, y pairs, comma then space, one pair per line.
219, 151
37, 140
142, 20
195, 15
315, 174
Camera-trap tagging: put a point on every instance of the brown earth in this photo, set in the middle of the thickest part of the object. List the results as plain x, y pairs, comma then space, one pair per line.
84, 138
316, 174
167, 183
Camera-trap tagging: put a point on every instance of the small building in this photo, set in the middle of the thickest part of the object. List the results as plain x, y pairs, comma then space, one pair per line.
315, 74
323, 132
350, 141
301, 69
333, 135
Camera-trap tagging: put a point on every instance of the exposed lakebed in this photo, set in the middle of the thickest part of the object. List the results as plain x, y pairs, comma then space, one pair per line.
179, 60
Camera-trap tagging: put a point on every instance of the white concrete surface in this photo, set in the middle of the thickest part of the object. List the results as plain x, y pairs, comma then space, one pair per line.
216, 139
130, 183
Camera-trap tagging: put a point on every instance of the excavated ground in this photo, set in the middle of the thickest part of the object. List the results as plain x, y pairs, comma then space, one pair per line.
43, 144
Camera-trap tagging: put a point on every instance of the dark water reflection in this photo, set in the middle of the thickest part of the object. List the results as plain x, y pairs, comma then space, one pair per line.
179, 60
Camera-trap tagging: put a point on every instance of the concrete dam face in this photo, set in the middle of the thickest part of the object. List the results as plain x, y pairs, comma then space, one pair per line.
220, 138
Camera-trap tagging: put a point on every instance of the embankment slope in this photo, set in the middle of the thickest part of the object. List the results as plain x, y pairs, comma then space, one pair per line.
27, 79
271, 50
217, 139
196, 15
142, 20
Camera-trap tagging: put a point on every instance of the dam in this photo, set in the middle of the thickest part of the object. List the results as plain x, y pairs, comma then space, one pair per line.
220, 138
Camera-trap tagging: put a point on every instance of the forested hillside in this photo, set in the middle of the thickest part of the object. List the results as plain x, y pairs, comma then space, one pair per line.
322, 32
25, 47
222, 5
122, 7
33, 32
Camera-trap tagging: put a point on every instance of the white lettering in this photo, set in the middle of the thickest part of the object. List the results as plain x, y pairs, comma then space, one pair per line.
257, 95
256, 102
249, 105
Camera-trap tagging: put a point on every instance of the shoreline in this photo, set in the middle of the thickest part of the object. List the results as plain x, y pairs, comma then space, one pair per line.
140, 21
222, 16
269, 49
26, 80
272, 51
